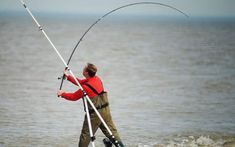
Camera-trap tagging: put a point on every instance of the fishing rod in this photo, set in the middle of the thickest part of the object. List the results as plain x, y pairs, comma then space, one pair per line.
108, 13
86, 98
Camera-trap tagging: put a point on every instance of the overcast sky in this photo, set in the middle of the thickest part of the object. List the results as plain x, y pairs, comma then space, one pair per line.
192, 7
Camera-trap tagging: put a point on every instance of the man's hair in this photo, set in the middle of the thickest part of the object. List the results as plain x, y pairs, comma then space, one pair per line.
91, 69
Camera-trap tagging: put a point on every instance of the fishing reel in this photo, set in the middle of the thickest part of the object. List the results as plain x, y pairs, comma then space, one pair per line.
61, 77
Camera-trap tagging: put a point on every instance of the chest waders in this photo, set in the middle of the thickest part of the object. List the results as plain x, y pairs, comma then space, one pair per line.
102, 105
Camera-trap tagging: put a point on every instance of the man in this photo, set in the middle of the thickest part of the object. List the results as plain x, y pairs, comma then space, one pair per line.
93, 86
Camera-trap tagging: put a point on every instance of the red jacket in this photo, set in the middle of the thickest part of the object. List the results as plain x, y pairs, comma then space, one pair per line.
95, 82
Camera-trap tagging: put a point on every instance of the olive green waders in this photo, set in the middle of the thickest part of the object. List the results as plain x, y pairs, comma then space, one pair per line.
101, 103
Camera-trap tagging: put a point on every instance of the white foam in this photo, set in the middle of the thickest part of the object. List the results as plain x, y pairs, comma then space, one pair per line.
191, 141
202, 140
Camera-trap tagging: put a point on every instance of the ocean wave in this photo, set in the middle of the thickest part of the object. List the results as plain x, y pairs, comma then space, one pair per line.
195, 141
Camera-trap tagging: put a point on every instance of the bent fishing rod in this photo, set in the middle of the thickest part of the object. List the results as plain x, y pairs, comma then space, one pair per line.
108, 13
85, 97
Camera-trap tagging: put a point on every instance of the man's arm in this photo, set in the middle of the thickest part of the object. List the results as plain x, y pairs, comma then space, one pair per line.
72, 80
71, 96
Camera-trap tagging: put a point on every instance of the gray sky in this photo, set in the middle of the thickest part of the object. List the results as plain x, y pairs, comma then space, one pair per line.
192, 7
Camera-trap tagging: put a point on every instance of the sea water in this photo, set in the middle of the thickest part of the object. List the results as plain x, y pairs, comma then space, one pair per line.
171, 82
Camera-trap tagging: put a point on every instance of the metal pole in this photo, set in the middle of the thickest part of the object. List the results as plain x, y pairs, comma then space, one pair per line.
87, 111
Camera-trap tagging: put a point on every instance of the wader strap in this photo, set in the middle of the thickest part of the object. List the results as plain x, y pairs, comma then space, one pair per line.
100, 107
93, 89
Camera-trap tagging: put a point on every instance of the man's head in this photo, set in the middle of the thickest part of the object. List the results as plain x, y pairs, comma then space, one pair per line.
89, 70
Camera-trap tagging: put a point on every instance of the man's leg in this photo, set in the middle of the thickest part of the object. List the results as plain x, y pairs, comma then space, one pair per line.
108, 119
85, 134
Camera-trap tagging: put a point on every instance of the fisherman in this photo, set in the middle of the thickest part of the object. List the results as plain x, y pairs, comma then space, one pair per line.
93, 86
